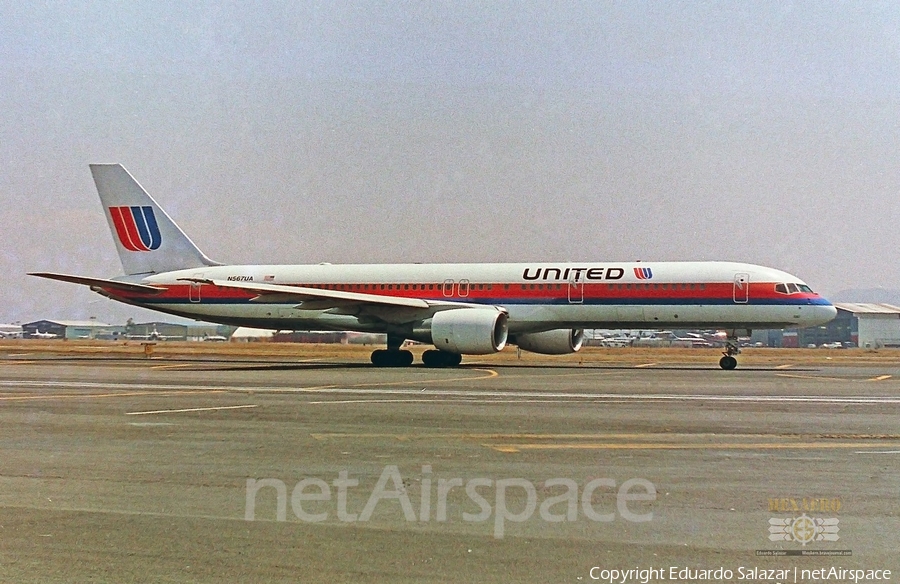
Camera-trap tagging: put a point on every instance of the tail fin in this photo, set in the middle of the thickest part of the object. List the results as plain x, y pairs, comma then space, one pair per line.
147, 239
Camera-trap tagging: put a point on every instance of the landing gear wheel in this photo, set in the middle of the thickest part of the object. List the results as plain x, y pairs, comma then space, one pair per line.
728, 362
433, 358
391, 358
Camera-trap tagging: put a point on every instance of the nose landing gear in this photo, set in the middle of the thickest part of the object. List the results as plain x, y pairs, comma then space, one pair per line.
728, 362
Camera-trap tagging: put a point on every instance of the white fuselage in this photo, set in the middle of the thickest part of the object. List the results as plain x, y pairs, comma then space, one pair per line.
537, 296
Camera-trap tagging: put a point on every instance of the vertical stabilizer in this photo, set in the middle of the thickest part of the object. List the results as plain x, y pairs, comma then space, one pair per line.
147, 239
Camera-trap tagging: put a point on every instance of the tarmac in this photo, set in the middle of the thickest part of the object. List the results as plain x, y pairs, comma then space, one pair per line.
116, 468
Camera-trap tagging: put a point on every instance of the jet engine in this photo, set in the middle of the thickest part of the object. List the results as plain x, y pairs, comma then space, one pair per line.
470, 331
555, 342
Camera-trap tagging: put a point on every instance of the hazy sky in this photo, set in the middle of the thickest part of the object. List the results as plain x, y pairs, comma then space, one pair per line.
300, 132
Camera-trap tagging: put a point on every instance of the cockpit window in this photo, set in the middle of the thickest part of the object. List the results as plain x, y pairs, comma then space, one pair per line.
792, 288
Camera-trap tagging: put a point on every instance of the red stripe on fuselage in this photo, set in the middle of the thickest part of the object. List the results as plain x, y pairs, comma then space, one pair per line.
499, 293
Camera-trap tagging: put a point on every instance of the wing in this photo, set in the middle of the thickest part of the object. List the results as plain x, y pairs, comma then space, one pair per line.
318, 299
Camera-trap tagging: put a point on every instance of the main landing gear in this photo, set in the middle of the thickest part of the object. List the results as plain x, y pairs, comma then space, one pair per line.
391, 358
728, 362
394, 356
435, 358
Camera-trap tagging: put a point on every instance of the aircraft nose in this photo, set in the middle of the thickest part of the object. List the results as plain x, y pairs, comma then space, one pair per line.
826, 313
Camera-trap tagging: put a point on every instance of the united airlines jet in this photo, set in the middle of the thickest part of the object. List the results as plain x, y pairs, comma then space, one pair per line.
460, 309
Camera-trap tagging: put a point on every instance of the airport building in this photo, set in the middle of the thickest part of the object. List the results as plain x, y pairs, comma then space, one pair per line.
71, 329
869, 326
873, 325
158, 331
167, 331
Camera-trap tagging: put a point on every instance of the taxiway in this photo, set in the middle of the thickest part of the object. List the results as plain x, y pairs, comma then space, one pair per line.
117, 469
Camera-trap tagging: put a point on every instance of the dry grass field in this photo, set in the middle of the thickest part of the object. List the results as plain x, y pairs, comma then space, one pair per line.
360, 353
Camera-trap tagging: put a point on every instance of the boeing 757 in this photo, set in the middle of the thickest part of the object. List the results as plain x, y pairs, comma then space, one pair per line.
460, 309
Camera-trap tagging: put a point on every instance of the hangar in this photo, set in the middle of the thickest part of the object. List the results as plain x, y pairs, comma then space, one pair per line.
877, 325
71, 329
865, 325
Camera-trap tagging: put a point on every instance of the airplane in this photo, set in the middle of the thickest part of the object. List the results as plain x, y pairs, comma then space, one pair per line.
40, 335
10, 331
460, 309
153, 335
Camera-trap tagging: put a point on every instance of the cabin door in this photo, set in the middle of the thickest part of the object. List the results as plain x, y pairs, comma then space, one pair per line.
195, 289
576, 288
741, 288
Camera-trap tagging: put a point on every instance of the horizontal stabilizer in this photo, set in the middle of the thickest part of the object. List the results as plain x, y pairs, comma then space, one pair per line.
101, 283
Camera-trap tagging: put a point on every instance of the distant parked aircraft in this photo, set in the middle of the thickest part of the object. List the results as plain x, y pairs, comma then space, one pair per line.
10, 331
40, 335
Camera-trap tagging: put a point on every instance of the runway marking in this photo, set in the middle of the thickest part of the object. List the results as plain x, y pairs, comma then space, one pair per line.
212, 409
460, 400
814, 377
881, 378
176, 366
491, 436
490, 374
663, 439
17, 362
402, 401
475, 393
785, 366
878, 452
644, 365
170, 389
102, 395
513, 448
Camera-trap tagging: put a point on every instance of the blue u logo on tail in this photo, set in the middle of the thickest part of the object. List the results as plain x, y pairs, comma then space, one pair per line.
136, 227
